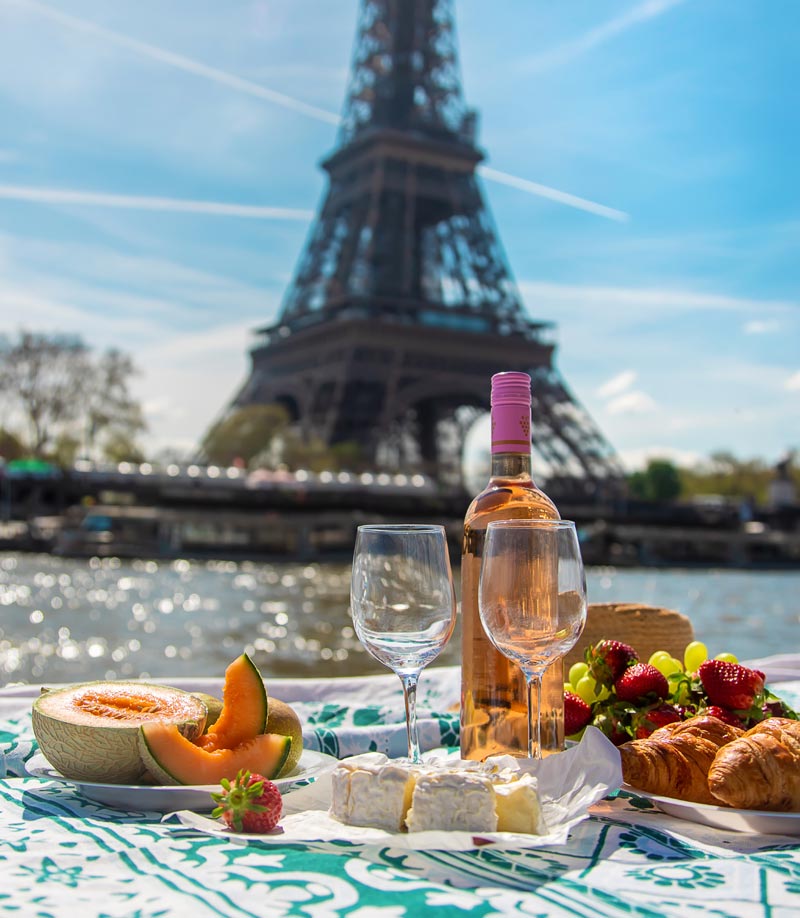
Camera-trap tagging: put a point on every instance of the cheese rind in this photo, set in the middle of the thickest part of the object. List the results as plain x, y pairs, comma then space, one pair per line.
370, 792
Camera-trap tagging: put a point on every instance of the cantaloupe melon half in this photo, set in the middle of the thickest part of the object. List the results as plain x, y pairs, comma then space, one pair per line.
90, 732
172, 759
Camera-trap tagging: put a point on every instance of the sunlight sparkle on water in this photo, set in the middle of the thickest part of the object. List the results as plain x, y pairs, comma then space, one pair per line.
72, 621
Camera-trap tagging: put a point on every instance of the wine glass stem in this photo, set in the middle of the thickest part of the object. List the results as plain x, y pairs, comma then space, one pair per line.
534, 681
410, 694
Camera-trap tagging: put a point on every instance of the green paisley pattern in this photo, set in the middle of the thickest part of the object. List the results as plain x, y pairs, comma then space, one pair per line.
63, 854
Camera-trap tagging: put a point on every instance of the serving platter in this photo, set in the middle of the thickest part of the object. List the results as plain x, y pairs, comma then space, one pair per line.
167, 799
753, 822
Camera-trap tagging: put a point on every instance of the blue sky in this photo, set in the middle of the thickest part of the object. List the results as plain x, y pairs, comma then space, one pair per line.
158, 175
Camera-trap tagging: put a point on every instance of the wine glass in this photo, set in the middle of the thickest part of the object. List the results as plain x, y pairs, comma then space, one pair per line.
532, 600
403, 603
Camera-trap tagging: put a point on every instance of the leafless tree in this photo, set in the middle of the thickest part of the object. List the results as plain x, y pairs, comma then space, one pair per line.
58, 392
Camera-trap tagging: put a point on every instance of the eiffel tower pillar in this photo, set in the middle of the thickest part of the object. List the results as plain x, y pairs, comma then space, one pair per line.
403, 305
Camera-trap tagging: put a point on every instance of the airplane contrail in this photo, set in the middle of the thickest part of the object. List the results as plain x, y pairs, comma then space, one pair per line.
553, 194
561, 54
139, 202
247, 87
180, 62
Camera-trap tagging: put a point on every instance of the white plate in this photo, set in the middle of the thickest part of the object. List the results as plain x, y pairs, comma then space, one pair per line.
754, 822
166, 799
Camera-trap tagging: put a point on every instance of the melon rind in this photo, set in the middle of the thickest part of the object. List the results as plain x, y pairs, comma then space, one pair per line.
103, 752
283, 720
172, 759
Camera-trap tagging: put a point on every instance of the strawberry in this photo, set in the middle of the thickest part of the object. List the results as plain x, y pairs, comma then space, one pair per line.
576, 713
607, 660
723, 714
731, 685
250, 803
614, 720
640, 681
652, 718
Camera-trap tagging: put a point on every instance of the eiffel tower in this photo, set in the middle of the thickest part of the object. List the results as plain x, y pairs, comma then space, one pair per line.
403, 305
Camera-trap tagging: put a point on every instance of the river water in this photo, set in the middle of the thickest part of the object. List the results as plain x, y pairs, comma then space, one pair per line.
76, 620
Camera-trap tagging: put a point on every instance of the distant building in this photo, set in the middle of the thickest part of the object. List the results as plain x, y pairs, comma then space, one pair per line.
782, 489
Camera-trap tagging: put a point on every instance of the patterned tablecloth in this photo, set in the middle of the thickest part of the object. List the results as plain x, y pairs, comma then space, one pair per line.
62, 854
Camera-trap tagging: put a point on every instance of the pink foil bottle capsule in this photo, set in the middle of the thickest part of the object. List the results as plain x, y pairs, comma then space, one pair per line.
511, 413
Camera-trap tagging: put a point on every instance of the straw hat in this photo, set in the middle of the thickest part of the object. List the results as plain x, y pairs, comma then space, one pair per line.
646, 628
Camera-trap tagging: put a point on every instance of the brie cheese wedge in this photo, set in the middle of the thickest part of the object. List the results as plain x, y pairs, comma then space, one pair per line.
372, 790
369, 792
452, 801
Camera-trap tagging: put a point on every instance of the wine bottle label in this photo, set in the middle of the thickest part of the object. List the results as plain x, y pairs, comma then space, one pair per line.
511, 428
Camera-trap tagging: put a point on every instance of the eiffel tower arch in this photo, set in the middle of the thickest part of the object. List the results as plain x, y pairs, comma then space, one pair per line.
402, 304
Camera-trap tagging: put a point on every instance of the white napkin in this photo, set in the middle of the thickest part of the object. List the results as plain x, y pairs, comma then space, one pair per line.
569, 783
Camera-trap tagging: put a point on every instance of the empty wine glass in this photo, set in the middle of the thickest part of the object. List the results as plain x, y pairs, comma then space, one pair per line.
532, 600
403, 603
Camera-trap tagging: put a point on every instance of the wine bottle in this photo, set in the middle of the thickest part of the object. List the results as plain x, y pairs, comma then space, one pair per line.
494, 718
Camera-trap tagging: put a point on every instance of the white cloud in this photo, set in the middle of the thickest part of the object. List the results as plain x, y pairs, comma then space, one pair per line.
631, 403
186, 347
22, 306
635, 459
621, 399
617, 384
158, 406
200, 373
761, 327
47, 280
649, 297
792, 384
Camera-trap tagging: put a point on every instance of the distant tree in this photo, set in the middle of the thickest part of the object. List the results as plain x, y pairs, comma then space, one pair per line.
315, 455
43, 377
66, 399
661, 480
728, 476
665, 481
66, 449
721, 474
637, 485
310, 453
244, 434
348, 456
119, 447
11, 447
113, 417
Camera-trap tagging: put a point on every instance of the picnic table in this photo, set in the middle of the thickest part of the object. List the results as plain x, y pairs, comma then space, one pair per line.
65, 854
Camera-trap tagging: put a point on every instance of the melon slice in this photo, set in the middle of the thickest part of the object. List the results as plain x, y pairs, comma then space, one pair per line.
172, 759
90, 732
244, 707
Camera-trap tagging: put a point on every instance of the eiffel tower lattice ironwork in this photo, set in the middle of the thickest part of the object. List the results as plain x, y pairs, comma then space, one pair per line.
403, 304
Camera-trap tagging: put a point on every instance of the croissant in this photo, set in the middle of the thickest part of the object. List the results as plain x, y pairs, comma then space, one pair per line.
674, 760
761, 769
